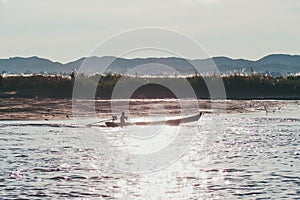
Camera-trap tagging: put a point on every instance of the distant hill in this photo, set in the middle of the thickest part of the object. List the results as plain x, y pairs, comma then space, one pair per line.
31, 64
276, 64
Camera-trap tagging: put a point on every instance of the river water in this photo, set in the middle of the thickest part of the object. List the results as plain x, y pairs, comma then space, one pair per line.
249, 155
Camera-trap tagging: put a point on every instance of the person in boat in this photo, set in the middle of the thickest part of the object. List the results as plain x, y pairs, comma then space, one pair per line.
123, 118
114, 117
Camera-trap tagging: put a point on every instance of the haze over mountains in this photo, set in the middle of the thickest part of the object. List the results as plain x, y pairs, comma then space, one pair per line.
275, 64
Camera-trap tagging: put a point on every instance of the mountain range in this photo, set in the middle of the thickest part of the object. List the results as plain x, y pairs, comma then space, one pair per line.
275, 64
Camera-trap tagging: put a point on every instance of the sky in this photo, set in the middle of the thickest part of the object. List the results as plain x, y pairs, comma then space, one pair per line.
65, 30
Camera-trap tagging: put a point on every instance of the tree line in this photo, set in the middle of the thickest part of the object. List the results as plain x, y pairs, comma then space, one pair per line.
254, 86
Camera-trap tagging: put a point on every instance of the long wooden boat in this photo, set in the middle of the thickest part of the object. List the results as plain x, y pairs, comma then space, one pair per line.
170, 122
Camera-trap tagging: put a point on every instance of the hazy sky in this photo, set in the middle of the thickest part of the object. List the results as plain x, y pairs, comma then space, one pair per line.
66, 30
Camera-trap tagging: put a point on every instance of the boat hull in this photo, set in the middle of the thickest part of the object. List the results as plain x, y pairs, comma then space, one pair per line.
171, 122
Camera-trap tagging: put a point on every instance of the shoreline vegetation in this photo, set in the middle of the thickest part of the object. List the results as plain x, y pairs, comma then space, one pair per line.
237, 86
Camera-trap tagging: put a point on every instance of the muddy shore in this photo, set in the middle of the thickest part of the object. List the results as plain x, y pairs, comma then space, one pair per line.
59, 109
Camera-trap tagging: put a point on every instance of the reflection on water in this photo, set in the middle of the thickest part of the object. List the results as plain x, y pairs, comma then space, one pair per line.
257, 155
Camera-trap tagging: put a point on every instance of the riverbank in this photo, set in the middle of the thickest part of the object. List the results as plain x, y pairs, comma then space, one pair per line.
61, 108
